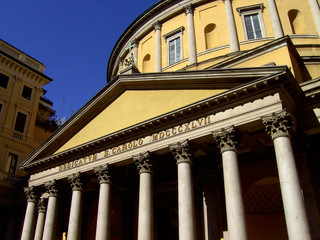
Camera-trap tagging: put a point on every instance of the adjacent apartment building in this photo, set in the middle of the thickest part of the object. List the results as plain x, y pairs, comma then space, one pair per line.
24, 123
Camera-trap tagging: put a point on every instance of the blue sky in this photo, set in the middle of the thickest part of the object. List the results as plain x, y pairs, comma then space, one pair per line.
73, 38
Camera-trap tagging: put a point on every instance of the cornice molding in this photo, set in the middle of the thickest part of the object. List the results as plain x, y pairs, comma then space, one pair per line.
22, 70
276, 77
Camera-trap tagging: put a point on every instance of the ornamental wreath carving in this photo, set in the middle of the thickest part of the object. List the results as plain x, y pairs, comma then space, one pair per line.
189, 9
42, 205
278, 124
75, 181
103, 174
182, 151
30, 194
226, 139
51, 187
143, 162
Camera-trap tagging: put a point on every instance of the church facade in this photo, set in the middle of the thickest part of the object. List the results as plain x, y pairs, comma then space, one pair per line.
208, 128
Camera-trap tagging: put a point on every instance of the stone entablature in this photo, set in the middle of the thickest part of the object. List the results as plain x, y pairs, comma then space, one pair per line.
249, 112
22, 57
278, 76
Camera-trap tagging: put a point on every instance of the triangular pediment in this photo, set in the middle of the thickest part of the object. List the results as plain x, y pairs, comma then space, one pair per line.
133, 107
133, 99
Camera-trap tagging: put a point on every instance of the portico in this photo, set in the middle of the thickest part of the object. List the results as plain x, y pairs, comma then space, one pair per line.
176, 154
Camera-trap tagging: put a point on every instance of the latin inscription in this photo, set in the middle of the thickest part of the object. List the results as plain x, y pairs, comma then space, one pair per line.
78, 162
139, 142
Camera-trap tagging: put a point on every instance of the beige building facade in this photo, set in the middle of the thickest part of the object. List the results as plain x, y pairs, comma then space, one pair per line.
24, 124
208, 128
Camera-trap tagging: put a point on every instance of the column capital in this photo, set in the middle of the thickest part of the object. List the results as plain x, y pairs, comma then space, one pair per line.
30, 194
42, 205
143, 162
188, 9
76, 181
103, 174
182, 151
157, 25
51, 187
278, 124
226, 139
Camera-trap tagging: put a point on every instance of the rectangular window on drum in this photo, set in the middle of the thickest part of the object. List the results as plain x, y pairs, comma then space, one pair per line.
252, 20
253, 27
174, 50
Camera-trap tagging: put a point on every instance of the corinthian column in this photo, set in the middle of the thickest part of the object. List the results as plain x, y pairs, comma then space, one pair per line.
279, 125
182, 154
275, 19
226, 141
157, 55
29, 219
145, 221
191, 35
40, 220
74, 229
103, 218
231, 25
50, 222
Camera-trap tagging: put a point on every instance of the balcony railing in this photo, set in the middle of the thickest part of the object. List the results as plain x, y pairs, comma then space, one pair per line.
17, 135
8, 179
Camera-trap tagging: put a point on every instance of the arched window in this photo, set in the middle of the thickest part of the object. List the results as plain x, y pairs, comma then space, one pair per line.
210, 35
297, 23
146, 64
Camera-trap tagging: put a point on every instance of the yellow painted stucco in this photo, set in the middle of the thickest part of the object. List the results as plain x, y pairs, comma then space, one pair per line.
133, 107
279, 57
213, 47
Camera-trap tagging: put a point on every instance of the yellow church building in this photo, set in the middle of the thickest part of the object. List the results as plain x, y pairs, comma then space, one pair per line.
208, 129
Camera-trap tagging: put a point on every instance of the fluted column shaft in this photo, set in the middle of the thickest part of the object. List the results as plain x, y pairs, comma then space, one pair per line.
227, 143
278, 126
315, 9
191, 35
104, 206
231, 25
40, 220
50, 222
157, 54
275, 19
74, 229
29, 219
145, 218
182, 154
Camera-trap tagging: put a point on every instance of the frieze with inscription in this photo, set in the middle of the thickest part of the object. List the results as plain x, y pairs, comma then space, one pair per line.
139, 142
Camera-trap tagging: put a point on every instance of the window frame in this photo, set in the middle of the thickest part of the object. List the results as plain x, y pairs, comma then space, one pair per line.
1, 108
256, 9
9, 163
6, 88
25, 123
21, 95
175, 34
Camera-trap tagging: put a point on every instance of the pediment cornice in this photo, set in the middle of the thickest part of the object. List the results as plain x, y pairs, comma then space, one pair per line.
248, 84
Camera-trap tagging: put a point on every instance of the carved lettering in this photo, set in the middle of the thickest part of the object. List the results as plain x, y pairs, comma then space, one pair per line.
155, 137
136, 143
161, 135
174, 131
124, 147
